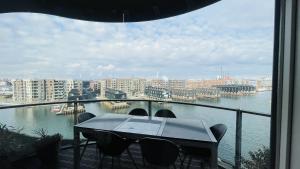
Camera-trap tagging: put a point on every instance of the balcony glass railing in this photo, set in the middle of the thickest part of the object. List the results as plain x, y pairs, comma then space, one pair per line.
243, 133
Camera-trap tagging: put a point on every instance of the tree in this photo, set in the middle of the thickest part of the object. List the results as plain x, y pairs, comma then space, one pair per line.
259, 159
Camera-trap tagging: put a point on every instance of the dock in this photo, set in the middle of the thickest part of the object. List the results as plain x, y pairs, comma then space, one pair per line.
115, 105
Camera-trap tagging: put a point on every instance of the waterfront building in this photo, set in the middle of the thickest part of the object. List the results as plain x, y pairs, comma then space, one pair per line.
94, 85
28, 91
157, 93
78, 84
236, 90
137, 87
176, 84
114, 94
158, 83
55, 90
264, 84
6, 89
130, 86
185, 95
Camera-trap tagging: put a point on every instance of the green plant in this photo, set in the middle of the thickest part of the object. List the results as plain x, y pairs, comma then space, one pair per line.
259, 159
43, 133
8, 141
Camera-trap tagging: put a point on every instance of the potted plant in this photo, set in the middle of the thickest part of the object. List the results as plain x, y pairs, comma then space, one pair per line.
47, 149
9, 145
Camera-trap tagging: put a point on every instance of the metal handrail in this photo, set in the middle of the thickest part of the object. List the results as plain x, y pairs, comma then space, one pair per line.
135, 100
239, 113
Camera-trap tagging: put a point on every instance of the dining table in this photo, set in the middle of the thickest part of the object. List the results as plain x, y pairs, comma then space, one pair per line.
183, 132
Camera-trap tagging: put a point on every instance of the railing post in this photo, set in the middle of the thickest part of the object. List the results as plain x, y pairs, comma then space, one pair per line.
75, 111
238, 140
150, 107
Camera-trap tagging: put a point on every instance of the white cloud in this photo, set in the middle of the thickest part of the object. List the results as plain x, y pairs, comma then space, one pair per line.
237, 35
108, 67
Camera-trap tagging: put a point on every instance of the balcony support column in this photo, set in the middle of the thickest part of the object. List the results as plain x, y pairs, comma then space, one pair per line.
238, 140
75, 112
150, 108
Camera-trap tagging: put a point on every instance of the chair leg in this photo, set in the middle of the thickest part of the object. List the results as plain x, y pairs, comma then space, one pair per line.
119, 162
182, 160
101, 162
112, 162
130, 156
189, 163
83, 149
144, 163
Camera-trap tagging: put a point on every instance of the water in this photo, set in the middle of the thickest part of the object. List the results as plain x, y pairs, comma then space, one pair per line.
255, 132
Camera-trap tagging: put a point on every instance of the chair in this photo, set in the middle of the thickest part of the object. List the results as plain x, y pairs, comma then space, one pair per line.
138, 112
90, 137
159, 152
218, 131
165, 113
111, 144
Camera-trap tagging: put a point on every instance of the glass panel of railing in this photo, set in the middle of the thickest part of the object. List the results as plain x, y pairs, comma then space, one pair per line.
210, 116
255, 141
119, 107
33, 120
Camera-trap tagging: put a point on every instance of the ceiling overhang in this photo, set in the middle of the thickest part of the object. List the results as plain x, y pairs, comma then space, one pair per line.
106, 10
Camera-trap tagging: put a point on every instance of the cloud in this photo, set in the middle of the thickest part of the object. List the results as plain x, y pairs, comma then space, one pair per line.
108, 67
237, 35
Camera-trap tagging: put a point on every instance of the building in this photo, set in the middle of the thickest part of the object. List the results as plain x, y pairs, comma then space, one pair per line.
176, 84
28, 91
55, 90
157, 93
115, 94
132, 87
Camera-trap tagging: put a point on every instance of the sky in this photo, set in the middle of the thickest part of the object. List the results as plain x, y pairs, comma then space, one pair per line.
233, 35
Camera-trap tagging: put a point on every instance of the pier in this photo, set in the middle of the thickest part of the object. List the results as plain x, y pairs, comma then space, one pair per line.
115, 105
69, 109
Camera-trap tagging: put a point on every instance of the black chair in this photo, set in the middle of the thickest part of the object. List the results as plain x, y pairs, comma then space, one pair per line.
218, 131
165, 113
159, 152
111, 144
138, 112
89, 136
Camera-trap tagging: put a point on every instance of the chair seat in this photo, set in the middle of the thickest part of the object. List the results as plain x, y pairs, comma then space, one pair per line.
196, 152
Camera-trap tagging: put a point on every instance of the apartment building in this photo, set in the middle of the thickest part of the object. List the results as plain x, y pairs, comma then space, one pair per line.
176, 84
132, 87
28, 91
55, 90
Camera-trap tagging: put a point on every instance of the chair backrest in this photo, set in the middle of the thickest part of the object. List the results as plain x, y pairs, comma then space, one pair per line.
110, 143
85, 116
165, 113
218, 131
159, 152
138, 112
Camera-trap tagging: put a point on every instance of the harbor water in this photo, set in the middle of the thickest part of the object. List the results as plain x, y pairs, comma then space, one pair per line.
255, 129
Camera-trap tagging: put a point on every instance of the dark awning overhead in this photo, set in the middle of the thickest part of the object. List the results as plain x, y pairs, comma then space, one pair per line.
106, 10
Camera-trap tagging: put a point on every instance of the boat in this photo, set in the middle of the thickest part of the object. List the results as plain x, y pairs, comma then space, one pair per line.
55, 108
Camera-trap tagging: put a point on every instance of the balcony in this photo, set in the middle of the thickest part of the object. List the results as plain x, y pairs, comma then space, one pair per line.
231, 150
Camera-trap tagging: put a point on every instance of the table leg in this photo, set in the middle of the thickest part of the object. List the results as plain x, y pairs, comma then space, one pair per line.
214, 157
76, 156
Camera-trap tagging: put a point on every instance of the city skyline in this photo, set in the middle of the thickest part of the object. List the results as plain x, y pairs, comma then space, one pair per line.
190, 46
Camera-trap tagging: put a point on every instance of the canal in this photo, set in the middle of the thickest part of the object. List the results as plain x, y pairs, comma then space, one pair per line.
255, 132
